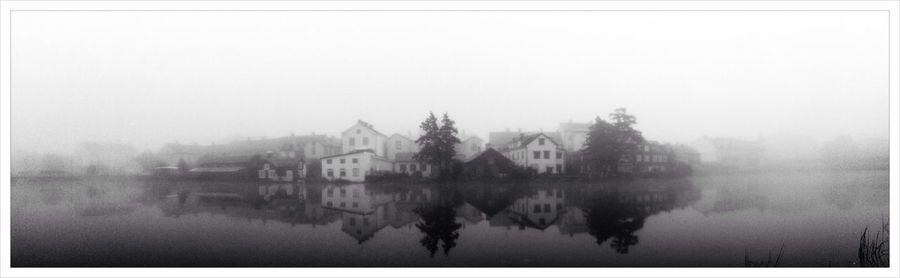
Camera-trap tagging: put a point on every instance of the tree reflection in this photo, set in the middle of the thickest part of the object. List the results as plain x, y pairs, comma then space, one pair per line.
438, 223
615, 212
610, 218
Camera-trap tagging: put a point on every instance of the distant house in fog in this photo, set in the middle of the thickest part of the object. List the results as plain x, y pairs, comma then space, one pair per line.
468, 146
354, 166
653, 157
363, 136
243, 167
282, 169
405, 163
538, 152
399, 144
573, 135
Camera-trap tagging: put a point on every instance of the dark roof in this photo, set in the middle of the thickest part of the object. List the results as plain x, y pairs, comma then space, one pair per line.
349, 153
226, 159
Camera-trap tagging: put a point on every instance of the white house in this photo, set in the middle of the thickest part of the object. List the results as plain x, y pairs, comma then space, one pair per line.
363, 136
354, 165
399, 144
468, 147
536, 151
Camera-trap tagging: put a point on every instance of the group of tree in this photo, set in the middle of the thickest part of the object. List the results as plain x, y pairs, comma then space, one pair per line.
608, 142
438, 145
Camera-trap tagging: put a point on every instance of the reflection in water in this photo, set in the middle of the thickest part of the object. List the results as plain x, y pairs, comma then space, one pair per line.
439, 223
494, 223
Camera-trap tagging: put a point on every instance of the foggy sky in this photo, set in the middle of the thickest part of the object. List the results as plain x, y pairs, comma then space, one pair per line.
148, 78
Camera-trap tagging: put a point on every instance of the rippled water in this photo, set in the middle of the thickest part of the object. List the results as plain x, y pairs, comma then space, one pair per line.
700, 221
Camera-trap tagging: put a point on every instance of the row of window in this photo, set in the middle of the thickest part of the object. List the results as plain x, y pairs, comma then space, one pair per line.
343, 204
343, 192
651, 158
412, 167
343, 172
520, 155
365, 141
343, 160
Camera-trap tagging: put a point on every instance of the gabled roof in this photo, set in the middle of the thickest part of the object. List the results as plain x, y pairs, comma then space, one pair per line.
525, 140
401, 136
501, 138
363, 124
349, 153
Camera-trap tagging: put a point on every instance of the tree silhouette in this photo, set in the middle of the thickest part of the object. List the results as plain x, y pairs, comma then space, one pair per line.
437, 144
607, 143
438, 223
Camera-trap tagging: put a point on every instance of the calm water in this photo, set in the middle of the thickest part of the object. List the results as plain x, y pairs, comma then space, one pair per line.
700, 221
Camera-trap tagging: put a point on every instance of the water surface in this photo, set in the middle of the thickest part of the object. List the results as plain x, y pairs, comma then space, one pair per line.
699, 221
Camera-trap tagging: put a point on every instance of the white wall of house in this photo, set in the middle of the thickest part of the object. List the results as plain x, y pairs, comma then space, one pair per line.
354, 167
542, 208
359, 137
540, 154
399, 144
471, 146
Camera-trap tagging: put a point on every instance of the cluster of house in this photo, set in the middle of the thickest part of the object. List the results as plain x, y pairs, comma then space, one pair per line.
363, 151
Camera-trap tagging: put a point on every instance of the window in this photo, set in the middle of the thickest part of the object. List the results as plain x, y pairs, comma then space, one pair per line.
402, 167
343, 160
330, 192
537, 208
537, 154
355, 204
546, 207
423, 167
343, 172
365, 141
541, 141
355, 160
474, 147
546, 154
329, 204
352, 141
356, 172
559, 168
343, 204
352, 221
262, 174
397, 145
412, 167
558, 155
328, 161
549, 169
549, 193
343, 193
366, 221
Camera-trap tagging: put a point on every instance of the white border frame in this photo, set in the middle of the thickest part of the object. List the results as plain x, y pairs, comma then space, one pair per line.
6, 7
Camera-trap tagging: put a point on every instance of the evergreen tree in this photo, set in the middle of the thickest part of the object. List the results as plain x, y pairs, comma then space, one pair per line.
438, 143
607, 142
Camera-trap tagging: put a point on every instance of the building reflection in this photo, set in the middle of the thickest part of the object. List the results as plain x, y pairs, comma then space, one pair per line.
612, 213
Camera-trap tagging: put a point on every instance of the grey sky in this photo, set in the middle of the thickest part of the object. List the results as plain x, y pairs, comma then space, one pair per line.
147, 78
